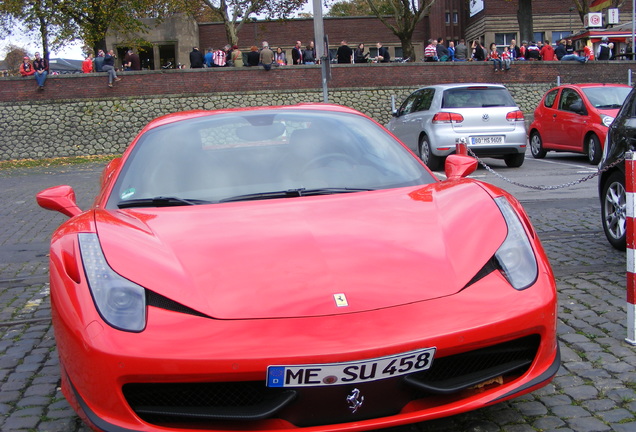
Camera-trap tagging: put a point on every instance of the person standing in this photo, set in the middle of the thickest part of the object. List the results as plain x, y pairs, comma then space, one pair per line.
196, 58
430, 52
451, 51
41, 68
547, 52
309, 54
359, 55
237, 56
559, 51
442, 51
132, 62
280, 59
109, 67
383, 54
266, 57
344, 53
87, 64
297, 54
461, 51
98, 64
604, 52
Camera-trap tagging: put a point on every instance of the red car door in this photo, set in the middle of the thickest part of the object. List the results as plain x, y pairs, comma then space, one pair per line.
572, 118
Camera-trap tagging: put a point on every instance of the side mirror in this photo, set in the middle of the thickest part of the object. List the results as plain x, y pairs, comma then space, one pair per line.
578, 107
60, 199
458, 166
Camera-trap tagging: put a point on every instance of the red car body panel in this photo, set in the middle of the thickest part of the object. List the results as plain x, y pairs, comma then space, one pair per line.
264, 274
290, 257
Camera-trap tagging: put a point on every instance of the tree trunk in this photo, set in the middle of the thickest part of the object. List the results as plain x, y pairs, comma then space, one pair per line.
524, 18
408, 50
231, 33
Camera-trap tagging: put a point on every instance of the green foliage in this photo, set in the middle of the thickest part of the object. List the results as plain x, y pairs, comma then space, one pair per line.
346, 8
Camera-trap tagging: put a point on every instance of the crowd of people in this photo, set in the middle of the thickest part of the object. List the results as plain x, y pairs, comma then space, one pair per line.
435, 51
502, 58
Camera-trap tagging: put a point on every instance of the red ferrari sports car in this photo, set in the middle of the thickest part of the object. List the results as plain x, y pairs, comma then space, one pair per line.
293, 267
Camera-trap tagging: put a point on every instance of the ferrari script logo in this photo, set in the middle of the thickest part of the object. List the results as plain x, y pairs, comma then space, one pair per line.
355, 400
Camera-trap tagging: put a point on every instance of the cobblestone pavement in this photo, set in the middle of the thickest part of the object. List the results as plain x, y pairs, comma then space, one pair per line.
594, 391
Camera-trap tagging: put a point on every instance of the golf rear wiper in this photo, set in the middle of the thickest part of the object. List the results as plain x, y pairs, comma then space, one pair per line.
291, 193
160, 201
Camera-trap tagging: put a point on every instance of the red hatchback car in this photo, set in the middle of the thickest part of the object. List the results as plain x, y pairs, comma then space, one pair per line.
574, 118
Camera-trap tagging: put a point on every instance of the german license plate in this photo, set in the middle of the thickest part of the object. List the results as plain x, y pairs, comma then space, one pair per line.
350, 372
487, 140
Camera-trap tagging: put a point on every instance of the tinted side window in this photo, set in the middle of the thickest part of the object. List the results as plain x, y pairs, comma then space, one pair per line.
426, 100
550, 98
569, 100
410, 104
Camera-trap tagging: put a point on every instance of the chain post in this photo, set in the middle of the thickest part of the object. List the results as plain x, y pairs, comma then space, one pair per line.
630, 189
460, 146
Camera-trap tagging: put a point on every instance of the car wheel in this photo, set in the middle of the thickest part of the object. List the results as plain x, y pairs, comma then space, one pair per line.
432, 162
536, 146
514, 160
614, 211
594, 151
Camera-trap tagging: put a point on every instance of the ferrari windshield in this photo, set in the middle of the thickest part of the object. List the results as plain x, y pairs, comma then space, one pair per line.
262, 154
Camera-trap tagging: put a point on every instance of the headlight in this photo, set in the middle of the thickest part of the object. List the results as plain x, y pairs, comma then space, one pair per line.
120, 302
606, 120
515, 255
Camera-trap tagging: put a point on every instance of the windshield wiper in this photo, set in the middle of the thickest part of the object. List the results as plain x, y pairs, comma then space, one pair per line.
160, 201
292, 193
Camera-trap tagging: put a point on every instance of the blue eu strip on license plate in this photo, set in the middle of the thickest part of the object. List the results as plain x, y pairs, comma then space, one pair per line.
350, 372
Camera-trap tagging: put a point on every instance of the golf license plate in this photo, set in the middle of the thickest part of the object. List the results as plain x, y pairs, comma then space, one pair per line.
350, 372
481, 140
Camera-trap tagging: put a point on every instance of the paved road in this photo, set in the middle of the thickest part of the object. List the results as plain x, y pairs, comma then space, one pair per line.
594, 391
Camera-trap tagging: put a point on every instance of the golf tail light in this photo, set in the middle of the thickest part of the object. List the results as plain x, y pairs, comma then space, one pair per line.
515, 255
120, 302
514, 116
447, 117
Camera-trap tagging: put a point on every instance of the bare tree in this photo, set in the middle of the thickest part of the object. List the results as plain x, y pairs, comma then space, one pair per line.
233, 13
404, 17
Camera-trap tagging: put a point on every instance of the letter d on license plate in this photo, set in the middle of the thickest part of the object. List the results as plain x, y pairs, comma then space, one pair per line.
350, 372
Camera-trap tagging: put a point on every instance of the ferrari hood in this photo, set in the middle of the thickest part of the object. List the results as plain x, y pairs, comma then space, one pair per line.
307, 256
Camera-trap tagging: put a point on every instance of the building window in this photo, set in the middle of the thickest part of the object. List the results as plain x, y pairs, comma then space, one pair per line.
558, 35
398, 51
447, 17
540, 36
504, 39
455, 17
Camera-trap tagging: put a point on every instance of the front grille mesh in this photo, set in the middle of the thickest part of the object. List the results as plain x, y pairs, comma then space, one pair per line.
203, 404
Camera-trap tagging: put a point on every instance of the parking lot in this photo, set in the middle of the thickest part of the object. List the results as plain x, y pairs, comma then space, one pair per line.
594, 391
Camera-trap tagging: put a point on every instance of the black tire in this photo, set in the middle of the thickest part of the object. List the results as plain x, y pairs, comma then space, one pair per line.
514, 160
594, 151
614, 210
432, 162
536, 146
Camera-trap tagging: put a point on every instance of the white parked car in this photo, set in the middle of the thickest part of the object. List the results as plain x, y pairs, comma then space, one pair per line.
432, 118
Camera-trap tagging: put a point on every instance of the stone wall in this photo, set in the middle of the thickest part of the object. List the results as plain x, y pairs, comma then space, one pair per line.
97, 120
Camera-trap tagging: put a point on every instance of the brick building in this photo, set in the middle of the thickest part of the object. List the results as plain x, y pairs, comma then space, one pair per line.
485, 20
496, 20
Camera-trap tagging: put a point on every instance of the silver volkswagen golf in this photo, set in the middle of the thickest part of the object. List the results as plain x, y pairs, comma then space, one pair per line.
431, 119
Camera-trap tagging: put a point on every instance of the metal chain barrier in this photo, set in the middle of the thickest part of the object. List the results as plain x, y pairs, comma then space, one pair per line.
561, 186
